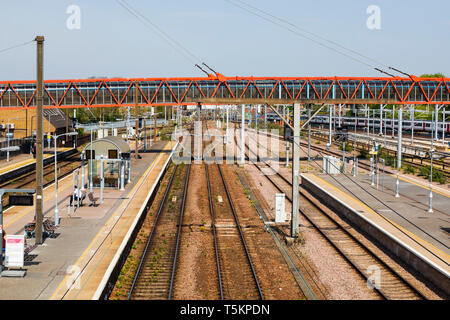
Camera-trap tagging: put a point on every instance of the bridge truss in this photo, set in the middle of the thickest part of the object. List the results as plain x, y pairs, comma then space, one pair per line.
224, 90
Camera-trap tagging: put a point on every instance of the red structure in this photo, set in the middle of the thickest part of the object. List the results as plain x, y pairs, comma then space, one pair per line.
225, 90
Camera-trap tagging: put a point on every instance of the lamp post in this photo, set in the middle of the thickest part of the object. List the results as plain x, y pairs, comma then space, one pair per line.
56, 174
430, 210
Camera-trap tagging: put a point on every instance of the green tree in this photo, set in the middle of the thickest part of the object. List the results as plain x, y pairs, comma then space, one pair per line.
433, 75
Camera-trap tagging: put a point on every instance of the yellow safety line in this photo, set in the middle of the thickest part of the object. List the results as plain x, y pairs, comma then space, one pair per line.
101, 230
373, 212
419, 185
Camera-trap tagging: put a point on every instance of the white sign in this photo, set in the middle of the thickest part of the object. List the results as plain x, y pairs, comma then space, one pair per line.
14, 252
280, 212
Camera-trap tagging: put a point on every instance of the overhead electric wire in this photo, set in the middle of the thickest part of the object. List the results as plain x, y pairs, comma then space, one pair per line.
171, 41
16, 46
285, 24
313, 34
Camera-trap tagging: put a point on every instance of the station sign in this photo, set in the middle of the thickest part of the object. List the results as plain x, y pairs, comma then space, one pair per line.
21, 200
14, 251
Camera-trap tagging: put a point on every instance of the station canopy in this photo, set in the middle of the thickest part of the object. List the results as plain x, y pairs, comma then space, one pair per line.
109, 147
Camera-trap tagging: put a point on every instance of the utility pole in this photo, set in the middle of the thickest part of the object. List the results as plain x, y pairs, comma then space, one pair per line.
136, 114
295, 172
39, 136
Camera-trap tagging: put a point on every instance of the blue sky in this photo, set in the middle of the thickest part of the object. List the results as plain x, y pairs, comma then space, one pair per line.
414, 37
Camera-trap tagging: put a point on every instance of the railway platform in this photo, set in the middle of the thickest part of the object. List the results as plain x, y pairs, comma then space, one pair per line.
401, 225
74, 262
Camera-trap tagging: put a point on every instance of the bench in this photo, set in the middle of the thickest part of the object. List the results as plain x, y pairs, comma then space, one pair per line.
48, 227
92, 199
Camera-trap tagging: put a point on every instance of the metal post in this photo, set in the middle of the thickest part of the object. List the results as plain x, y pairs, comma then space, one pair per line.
377, 171
226, 137
393, 119
83, 156
145, 133
430, 210
265, 117
129, 171
344, 166
399, 134
56, 185
90, 166
412, 124
330, 124
7, 146
243, 136
372, 174
436, 113
199, 135
309, 137
102, 179
354, 148
122, 175
295, 172
156, 127
136, 115
443, 125
381, 119
39, 136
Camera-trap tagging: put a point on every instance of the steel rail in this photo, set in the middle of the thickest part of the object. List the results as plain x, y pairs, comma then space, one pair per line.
180, 225
213, 227
150, 238
352, 237
241, 234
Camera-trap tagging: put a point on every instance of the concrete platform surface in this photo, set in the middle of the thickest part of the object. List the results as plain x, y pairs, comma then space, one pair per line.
69, 260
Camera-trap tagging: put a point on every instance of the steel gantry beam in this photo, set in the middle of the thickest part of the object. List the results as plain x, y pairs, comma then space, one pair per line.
119, 92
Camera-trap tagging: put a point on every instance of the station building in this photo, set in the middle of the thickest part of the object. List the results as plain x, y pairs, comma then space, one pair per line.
110, 159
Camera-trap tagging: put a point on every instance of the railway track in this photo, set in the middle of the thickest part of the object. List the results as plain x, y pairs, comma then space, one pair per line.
391, 285
362, 164
424, 162
154, 277
236, 274
28, 180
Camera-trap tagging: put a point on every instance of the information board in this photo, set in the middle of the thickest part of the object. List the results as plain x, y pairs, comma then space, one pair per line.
14, 252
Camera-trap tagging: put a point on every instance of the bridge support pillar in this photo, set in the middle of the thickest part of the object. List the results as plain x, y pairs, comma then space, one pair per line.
199, 133
399, 136
295, 172
330, 124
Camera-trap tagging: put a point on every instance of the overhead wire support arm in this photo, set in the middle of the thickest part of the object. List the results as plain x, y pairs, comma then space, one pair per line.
209, 68
401, 72
207, 74
389, 74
